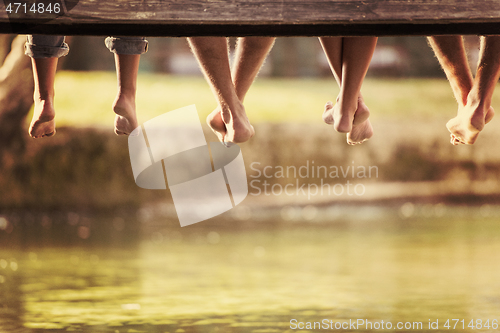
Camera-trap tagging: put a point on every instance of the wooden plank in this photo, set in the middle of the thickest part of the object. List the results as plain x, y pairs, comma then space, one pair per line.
256, 17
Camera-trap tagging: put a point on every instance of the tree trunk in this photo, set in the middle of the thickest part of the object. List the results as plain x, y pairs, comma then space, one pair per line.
16, 99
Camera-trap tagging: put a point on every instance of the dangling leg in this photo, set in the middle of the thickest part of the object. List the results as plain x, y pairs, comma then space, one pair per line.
450, 51
44, 73
212, 56
349, 58
250, 55
477, 111
356, 55
127, 67
44, 51
127, 52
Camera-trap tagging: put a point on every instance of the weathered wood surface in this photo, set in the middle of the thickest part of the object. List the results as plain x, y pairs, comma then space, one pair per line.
258, 17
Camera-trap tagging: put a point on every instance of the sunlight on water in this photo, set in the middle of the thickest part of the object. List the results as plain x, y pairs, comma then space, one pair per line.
401, 267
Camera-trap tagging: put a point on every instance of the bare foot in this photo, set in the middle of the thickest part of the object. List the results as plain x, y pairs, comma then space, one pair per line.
126, 119
328, 113
216, 124
343, 118
360, 133
43, 123
362, 129
230, 128
360, 115
465, 127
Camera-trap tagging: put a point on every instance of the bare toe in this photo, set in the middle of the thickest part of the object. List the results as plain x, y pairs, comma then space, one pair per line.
470, 120
43, 123
49, 134
360, 133
125, 119
123, 125
456, 140
328, 113
362, 112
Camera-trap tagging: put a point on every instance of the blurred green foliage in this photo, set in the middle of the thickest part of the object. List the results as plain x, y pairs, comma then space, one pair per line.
85, 98
86, 166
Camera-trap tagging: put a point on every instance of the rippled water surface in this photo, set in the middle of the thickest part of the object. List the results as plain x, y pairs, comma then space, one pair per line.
372, 264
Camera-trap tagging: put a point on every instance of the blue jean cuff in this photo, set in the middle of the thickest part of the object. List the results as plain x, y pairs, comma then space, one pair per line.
127, 45
35, 51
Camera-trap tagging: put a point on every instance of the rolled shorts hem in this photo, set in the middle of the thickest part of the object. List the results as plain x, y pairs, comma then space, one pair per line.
35, 51
127, 45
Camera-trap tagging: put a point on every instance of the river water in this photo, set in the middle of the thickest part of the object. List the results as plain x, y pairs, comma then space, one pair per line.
409, 265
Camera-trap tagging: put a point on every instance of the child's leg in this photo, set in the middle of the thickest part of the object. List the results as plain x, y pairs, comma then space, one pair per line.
127, 52
127, 67
250, 55
44, 72
44, 52
212, 56
334, 48
477, 111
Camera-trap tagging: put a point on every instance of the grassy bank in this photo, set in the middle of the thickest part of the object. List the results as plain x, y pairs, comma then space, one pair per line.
85, 98
90, 168
85, 166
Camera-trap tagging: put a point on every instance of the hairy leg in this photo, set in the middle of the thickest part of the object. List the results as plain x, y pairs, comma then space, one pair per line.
251, 52
127, 67
250, 55
360, 128
477, 111
44, 72
211, 53
450, 52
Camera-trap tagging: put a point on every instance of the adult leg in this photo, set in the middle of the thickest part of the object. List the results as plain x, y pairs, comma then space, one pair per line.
251, 52
356, 55
44, 52
343, 54
477, 111
450, 51
250, 55
332, 46
211, 53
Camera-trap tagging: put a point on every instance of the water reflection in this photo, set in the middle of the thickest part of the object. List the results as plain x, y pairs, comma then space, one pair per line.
407, 263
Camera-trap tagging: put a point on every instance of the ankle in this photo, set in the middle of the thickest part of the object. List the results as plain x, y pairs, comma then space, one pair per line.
348, 108
225, 112
233, 108
43, 98
126, 94
348, 104
476, 103
45, 106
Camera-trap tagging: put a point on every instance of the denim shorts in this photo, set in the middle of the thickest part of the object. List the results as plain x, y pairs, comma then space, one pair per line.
127, 45
46, 46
